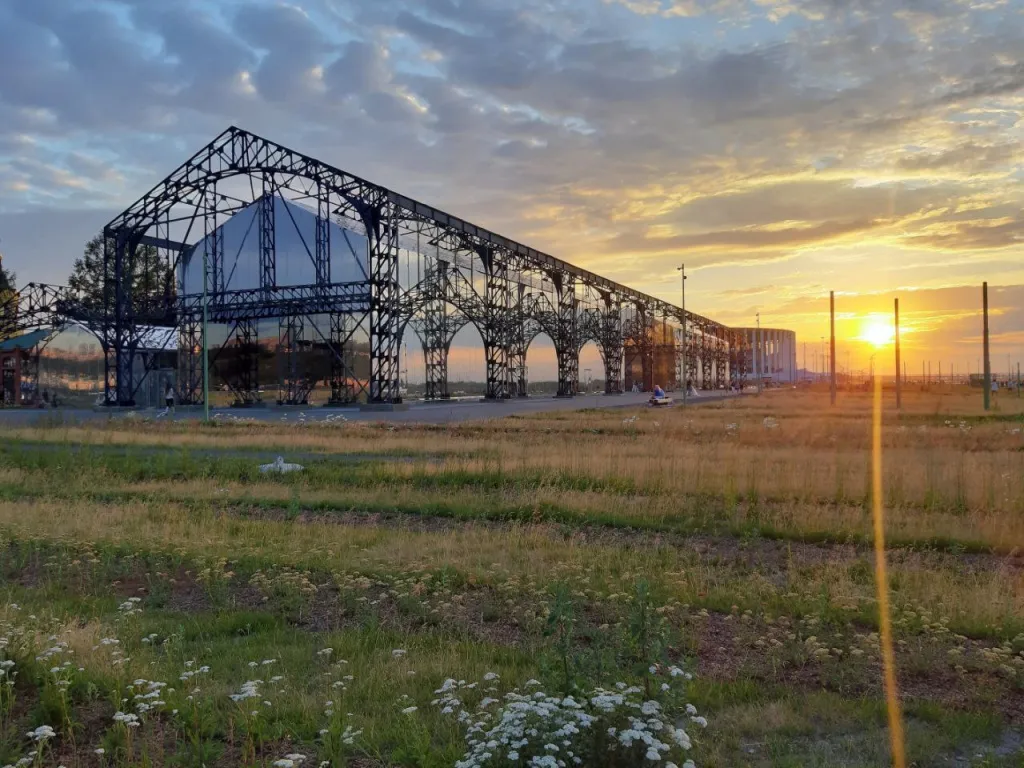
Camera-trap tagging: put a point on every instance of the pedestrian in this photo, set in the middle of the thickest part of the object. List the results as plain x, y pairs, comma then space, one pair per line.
169, 397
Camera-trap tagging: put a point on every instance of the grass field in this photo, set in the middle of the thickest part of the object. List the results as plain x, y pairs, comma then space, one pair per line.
239, 618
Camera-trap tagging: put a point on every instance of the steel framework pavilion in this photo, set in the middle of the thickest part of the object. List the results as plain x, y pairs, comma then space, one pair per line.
463, 274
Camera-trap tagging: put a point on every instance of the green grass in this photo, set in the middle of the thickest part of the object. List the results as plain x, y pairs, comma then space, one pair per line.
457, 546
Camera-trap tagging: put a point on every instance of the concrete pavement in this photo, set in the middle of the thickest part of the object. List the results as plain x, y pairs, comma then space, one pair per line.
435, 412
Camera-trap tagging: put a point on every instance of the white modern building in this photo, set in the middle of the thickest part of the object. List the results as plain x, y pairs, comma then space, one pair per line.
772, 351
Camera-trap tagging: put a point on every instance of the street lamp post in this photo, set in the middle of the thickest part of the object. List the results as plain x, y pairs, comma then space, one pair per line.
686, 383
206, 330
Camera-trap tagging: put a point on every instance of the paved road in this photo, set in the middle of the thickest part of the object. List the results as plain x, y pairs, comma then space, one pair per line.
423, 412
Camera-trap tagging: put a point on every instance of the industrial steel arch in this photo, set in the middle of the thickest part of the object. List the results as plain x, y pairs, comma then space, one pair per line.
464, 273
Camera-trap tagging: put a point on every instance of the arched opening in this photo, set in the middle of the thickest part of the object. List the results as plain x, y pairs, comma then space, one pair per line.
592, 371
541, 366
467, 365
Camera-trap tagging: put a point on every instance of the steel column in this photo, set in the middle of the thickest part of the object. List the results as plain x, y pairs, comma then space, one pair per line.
437, 336
294, 386
496, 343
518, 374
322, 258
566, 346
268, 239
247, 347
343, 380
385, 319
611, 345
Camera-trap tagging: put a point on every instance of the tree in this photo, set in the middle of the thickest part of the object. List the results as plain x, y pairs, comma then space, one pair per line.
7, 278
8, 302
150, 278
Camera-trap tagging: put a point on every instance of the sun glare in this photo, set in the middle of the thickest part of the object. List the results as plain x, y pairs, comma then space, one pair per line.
878, 333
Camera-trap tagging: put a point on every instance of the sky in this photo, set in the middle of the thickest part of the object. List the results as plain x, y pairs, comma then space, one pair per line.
779, 148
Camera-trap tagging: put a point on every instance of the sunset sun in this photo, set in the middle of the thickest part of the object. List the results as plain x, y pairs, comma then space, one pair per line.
878, 333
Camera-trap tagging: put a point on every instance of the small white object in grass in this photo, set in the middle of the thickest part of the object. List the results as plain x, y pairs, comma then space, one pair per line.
280, 465
42, 733
770, 423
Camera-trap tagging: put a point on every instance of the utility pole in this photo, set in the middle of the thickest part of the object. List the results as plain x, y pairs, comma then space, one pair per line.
821, 357
759, 354
899, 393
686, 383
988, 366
832, 341
805, 359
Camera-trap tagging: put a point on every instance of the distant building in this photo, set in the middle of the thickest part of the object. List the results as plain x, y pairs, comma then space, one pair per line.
773, 351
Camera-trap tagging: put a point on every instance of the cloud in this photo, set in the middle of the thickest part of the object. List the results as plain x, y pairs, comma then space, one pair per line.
620, 135
977, 235
745, 239
755, 291
968, 158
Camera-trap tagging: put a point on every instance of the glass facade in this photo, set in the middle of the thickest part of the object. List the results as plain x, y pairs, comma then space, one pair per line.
71, 367
294, 242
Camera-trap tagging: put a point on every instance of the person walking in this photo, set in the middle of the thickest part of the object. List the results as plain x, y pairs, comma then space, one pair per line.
169, 397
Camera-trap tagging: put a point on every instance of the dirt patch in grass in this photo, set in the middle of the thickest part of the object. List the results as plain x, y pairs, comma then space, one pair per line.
748, 553
727, 649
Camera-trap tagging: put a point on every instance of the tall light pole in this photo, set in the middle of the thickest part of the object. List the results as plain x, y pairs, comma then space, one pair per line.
987, 381
832, 344
899, 393
757, 349
821, 357
206, 333
682, 273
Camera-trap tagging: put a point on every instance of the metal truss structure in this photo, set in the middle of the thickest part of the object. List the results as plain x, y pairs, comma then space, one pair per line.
426, 271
